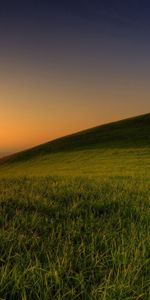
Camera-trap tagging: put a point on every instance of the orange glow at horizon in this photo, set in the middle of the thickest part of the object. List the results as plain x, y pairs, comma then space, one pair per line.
35, 110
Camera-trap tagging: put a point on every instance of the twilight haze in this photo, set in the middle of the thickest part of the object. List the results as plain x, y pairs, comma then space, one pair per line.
70, 65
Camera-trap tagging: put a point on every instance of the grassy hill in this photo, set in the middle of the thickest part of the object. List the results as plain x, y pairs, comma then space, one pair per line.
75, 216
115, 148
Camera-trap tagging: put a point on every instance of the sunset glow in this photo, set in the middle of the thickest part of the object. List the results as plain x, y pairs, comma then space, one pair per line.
64, 70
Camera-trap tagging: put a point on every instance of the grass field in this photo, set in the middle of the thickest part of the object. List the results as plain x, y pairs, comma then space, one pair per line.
75, 216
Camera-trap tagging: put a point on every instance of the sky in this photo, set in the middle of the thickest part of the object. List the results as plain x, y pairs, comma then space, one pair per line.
70, 65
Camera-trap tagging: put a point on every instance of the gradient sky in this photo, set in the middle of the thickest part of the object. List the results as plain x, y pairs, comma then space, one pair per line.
70, 65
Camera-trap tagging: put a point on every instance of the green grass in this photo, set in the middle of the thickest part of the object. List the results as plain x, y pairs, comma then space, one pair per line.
93, 162
75, 238
120, 148
75, 217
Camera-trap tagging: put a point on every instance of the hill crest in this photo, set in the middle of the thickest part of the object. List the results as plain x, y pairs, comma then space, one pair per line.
131, 132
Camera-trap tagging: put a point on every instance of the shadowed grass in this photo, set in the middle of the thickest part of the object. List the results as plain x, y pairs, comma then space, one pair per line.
74, 239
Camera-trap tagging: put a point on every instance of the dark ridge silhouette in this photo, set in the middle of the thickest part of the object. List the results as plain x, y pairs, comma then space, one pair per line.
132, 132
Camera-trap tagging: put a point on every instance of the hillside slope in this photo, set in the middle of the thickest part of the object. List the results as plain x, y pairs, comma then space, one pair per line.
133, 132
122, 147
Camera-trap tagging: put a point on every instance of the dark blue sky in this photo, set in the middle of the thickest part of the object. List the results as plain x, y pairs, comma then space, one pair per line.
120, 16
50, 22
118, 12
76, 63
91, 28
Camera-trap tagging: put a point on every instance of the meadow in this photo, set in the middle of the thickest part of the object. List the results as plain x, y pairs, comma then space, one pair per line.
74, 224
